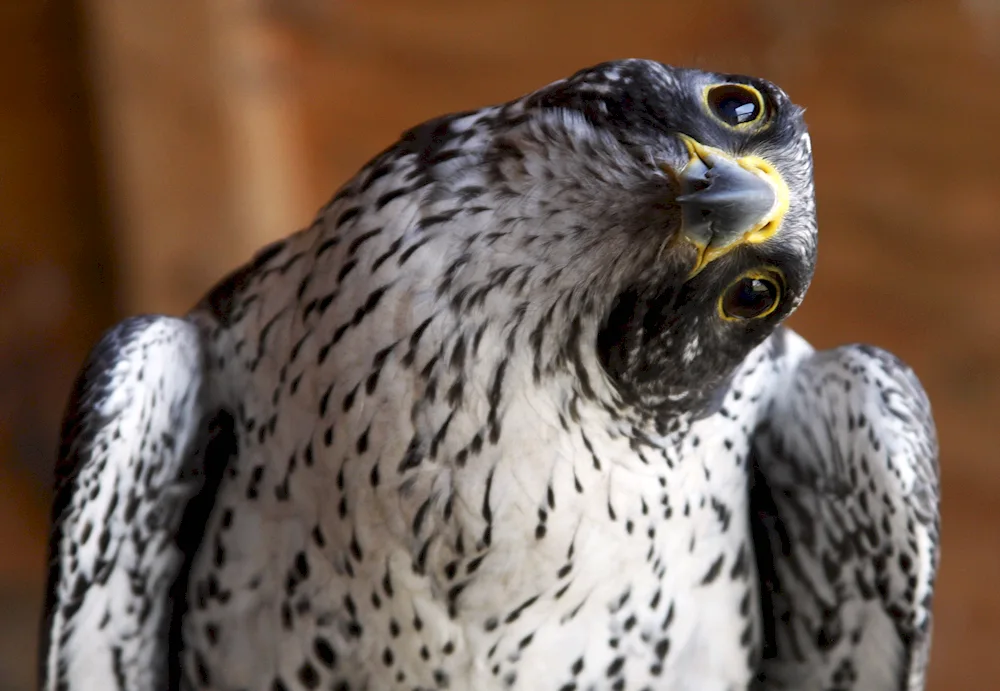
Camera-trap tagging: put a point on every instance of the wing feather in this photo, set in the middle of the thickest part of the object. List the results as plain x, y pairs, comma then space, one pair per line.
129, 460
845, 509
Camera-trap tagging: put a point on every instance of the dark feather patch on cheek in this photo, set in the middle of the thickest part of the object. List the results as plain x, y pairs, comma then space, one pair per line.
619, 334
663, 343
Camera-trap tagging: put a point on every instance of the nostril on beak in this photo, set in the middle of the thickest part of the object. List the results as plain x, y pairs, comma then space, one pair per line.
699, 184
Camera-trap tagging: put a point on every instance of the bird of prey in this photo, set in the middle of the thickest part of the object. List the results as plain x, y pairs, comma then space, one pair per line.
516, 411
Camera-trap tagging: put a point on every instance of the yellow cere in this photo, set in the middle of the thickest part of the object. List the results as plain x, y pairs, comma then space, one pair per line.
761, 231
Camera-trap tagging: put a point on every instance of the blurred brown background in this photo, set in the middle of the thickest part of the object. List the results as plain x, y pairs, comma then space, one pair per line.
146, 147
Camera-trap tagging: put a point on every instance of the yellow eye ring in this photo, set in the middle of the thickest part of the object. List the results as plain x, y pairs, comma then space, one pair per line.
754, 295
737, 106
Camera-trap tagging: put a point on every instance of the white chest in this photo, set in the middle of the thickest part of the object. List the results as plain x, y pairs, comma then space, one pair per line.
558, 559
554, 549
605, 570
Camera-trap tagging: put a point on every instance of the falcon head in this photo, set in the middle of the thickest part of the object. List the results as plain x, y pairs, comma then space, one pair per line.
668, 212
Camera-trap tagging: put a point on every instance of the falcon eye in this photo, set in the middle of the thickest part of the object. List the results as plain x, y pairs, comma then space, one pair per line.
751, 296
735, 104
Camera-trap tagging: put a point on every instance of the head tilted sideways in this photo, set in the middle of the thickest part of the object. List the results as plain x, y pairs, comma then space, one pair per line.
668, 211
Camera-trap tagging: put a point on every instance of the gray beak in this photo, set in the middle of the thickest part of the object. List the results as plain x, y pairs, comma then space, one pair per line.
721, 201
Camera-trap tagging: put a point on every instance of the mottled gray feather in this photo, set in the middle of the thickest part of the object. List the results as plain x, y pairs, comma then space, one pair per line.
845, 505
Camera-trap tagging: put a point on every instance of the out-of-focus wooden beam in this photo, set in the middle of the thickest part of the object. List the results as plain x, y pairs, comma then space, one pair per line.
163, 131
198, 124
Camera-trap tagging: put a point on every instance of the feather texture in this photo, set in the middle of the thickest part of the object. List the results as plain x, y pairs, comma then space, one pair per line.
129, 461
846, 510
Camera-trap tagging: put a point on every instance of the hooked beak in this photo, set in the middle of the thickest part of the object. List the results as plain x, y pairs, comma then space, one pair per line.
726, 201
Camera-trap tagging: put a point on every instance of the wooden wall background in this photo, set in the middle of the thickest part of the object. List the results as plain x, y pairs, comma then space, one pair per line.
148, 147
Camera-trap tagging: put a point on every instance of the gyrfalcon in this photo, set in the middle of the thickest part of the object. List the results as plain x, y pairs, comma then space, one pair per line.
516, 411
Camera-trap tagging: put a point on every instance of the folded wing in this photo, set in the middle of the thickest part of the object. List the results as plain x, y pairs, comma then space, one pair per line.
845, 510
131, 458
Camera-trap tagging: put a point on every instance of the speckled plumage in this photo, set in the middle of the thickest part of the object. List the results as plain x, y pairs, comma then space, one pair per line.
478, 428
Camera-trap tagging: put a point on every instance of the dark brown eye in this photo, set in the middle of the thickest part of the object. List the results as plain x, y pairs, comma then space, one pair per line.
750, 297
735, 104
